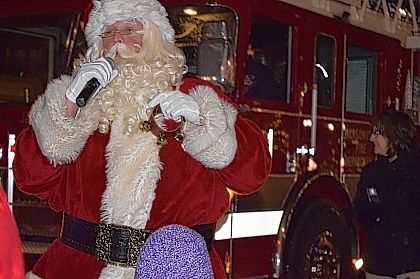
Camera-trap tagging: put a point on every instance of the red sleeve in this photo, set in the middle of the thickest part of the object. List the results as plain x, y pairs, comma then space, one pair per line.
252, 163
11, 256
34, 174
251, 166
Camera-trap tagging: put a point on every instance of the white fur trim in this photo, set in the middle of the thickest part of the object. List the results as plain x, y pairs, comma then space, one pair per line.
213, 143
107, 12
133, 171
108, 272
61, 137
116, 272
30, 275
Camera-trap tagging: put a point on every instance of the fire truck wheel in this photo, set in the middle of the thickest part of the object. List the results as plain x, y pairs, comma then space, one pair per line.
320, 246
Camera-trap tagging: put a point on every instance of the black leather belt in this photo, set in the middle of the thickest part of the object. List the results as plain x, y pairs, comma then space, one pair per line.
114, 244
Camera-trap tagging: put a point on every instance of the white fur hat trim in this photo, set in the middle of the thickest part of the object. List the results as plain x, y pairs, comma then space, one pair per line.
107, 12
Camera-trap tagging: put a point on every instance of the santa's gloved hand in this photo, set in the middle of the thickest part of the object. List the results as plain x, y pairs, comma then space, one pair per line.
102, 69
175, 105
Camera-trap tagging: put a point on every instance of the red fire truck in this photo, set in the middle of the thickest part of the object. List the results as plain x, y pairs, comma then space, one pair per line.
310, 73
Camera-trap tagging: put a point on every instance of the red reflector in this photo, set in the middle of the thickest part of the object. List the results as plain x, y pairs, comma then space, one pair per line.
13, 148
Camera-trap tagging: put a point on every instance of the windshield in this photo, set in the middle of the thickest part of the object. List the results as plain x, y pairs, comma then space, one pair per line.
207, 35
38, 49
41, 48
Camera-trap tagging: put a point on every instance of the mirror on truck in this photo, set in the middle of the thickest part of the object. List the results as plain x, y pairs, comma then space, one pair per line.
207, 36
214, 53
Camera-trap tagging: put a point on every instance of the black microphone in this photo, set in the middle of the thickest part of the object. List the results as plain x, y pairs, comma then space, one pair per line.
90, 87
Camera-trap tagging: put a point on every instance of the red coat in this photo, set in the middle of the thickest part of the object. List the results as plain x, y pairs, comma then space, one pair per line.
187, 193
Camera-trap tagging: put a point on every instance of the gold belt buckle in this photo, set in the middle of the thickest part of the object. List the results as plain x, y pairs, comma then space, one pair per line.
104, 244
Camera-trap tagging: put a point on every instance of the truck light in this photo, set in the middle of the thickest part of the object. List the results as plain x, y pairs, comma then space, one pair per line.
10, 157
358, 263
190, 11
11, 149
290, 163
307, 123
312, 165
270, 138
1, 152
228, 263
303, 150
231, 194
276, 260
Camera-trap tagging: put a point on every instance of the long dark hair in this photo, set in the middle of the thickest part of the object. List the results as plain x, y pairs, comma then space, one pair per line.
398, 127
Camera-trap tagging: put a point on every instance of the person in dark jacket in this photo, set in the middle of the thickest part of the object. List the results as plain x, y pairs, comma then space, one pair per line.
387, 201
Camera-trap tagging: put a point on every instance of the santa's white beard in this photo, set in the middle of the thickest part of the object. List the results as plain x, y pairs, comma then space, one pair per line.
118, 101
127, 95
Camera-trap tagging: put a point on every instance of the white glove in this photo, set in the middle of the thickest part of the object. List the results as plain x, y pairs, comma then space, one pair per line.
175, 104
101, 69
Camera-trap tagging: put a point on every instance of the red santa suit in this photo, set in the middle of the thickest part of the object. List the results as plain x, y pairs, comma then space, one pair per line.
128, 180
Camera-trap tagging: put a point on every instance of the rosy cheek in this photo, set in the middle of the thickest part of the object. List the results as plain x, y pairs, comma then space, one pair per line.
106, 45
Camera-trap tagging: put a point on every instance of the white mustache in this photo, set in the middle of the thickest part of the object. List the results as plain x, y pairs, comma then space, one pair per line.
123, 51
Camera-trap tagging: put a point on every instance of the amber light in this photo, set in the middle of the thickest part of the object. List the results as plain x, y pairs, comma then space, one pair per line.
227, 263
231, 194
190, 11
357, 263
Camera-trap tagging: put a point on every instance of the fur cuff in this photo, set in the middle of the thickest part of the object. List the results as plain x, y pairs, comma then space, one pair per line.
214, 142
117, 272
30, 275
61, 137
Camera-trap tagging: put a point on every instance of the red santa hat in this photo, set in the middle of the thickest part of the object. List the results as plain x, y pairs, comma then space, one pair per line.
107, 12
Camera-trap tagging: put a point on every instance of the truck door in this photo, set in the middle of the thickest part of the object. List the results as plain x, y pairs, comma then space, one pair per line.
323, 46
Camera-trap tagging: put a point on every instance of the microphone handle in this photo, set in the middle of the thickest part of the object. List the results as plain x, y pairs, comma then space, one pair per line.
87, 91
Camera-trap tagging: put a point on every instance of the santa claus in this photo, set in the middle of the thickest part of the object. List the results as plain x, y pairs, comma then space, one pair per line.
113, 166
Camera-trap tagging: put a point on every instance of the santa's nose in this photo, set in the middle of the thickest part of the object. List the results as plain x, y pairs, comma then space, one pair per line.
118, 38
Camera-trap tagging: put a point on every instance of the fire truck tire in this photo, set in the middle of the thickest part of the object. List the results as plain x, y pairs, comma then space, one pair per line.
320, 245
